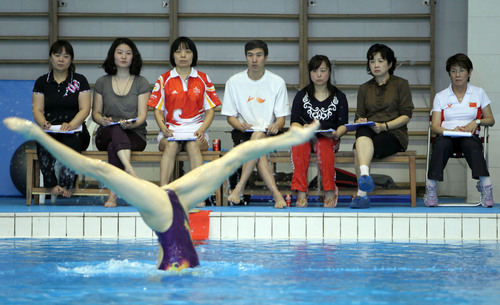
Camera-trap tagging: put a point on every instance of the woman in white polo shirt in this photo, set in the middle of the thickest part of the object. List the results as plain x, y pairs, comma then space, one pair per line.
464, 108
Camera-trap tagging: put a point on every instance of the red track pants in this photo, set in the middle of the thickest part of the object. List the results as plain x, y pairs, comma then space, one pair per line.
324, 149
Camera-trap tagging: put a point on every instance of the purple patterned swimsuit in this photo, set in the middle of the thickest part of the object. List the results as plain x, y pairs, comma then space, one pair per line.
178, 248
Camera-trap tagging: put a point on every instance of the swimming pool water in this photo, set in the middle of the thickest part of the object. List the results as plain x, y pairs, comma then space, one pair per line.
73, 271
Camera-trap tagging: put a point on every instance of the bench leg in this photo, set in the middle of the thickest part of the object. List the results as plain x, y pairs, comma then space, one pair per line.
218, 196
36, 181
29, 177
413, 181
225, 192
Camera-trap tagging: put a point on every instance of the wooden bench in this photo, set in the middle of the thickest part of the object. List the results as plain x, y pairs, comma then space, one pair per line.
408, 157
33, 188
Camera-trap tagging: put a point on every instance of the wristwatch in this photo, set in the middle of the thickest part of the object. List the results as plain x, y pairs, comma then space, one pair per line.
478, 122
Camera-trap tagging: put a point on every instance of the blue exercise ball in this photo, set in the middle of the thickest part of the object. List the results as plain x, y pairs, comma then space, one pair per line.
18, 166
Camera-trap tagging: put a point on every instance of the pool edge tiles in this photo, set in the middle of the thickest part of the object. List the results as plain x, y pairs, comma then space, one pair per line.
264, 225
356, 226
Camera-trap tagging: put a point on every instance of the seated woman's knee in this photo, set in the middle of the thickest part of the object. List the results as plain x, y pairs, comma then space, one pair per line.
169, 147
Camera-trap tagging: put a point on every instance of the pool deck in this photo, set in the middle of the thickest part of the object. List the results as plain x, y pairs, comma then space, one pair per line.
85, 217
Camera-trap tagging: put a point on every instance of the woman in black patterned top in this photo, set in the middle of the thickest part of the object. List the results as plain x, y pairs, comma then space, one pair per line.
319, 100
61, 98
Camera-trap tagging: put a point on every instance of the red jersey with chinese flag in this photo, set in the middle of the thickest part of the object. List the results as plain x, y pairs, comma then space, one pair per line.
184, 102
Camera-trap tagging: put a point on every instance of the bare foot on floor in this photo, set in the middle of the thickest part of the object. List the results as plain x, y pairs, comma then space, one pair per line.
301, 200
67, 193
279, 201
330, 202
301, 203
56, 190
331, 198
234, 197
201, 204
111, 202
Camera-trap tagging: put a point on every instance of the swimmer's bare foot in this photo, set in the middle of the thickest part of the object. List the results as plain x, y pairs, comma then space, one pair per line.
111, 202
279, 201
201, 204
67, 193
27, 128
56, 190
297, 135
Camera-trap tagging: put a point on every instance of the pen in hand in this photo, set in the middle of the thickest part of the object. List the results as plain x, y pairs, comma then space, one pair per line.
105, 119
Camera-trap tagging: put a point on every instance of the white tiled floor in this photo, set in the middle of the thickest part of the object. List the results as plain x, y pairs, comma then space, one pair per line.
263, 225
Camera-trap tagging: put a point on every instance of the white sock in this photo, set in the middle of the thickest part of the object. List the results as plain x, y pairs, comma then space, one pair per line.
430, 182
364, 170
361, 193
484, 180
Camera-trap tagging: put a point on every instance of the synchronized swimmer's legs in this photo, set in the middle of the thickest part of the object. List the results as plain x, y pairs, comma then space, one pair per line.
152, 201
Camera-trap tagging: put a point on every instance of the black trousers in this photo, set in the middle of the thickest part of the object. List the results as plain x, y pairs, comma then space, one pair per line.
442, 149
114, 138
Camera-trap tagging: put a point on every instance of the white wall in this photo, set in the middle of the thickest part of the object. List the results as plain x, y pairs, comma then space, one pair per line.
451, 37
483, 45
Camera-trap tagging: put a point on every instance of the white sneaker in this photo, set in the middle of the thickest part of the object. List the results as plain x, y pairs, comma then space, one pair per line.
486, 195
430, 197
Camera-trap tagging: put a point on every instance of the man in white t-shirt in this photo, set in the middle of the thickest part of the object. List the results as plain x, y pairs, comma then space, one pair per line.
256, 104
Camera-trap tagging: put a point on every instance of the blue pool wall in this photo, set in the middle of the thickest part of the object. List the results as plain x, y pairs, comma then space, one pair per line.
15, 100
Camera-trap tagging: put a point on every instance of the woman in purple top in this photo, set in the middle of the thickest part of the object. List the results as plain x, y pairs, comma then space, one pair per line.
164, 209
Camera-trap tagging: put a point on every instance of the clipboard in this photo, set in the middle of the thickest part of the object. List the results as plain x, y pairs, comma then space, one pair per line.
457, 134
325, 130
57, 129
182, 136
180, 139
355, 126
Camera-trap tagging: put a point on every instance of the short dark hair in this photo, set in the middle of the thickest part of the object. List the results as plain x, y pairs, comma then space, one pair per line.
186, 42
58, 46
254, 44
109, 65
314, 64
460, 60
386, 53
